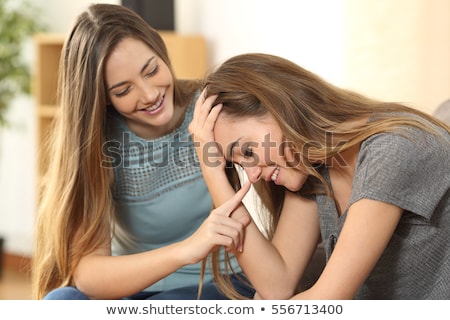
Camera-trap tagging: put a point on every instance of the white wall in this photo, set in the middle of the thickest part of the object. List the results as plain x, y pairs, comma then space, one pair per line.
17, 177
398, 50
388, 49
59, 15
307, 32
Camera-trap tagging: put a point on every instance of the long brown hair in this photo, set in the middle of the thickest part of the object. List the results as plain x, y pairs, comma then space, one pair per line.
307, 109
76, 191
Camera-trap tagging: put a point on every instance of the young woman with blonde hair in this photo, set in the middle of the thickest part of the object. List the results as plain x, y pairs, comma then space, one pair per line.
367, 179
125, 212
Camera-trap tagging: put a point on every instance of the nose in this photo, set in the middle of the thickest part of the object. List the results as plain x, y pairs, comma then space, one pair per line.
147, 94
253, 173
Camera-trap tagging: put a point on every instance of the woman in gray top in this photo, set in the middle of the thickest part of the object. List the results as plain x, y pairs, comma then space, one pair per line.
367, 179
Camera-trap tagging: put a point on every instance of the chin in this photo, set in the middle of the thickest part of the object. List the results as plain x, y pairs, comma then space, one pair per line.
295, 186
293, 189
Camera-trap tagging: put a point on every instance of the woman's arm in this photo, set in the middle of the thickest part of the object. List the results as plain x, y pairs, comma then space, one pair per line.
275, 268
367, 230
212, 162
102, 276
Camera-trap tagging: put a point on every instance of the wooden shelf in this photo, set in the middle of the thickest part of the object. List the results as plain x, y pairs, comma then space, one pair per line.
47, 111
188, 54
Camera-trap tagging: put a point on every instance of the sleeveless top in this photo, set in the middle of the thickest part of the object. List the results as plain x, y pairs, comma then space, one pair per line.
161, 197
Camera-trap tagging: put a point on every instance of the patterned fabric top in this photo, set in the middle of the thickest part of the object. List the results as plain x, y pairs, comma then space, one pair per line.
160, 194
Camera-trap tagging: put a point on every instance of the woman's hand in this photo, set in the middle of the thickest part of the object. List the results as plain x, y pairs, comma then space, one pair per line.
219, 229
201, 128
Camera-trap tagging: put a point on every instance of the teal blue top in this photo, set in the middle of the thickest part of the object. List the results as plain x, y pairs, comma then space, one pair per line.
160, 193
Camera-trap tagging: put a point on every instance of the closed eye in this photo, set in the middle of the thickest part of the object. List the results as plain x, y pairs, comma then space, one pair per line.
152, 72
151, 65
123, 92
248, 152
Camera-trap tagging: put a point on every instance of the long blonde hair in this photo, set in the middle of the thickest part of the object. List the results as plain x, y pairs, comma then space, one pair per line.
307, 109
76, 194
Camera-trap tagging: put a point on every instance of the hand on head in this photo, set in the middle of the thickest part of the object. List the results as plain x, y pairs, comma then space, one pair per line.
201, 129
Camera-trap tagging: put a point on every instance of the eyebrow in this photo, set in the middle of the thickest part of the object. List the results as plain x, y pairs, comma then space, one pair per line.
231, 147
142, 70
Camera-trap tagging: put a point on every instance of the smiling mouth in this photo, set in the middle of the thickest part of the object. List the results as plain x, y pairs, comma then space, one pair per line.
275, 173
154, 107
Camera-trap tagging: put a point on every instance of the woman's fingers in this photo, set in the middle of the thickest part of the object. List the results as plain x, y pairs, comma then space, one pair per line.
216, 231
203, 121
203, 107
232, 228
211, 118
230, 205
230, 233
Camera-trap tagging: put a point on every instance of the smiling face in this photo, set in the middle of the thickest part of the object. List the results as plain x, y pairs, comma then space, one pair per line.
257, 145
140, 87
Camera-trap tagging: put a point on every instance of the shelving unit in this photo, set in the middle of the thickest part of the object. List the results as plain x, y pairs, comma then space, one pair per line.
48, 49
188, 54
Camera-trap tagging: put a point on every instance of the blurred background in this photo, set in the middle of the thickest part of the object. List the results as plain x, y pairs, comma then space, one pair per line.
391, 50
